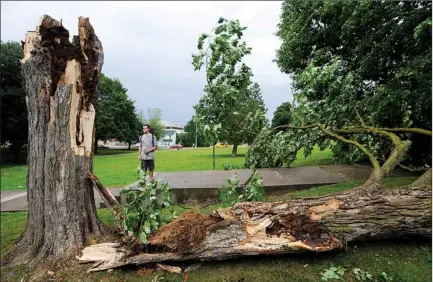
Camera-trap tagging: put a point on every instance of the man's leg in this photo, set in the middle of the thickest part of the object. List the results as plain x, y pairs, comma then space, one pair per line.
151, 166
144, 167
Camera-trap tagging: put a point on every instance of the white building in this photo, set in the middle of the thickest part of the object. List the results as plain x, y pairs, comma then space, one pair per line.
170, 133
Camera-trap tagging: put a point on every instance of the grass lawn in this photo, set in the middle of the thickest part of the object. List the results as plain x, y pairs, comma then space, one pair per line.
115, 167
406, 260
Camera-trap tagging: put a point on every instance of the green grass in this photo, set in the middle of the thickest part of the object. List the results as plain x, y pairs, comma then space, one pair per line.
115, 167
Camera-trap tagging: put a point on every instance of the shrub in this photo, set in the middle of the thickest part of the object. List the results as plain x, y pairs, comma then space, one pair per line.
233, 193
145, 209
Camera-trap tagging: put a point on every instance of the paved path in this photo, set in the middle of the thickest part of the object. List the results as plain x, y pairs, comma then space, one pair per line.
193, 186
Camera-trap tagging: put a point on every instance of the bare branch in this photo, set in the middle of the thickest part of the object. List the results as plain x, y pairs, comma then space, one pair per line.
413, 169
359, 117
408, 130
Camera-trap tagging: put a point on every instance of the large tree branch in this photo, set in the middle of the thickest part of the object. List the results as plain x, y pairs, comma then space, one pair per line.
398, 151
424, 180
336, 136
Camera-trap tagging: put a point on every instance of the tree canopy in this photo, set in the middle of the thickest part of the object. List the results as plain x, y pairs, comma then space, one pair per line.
115, 113
14, 128
188, 139
282, 115
232, 109
369, 56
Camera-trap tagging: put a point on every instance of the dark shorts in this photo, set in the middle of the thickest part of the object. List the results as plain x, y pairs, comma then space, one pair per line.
147, 165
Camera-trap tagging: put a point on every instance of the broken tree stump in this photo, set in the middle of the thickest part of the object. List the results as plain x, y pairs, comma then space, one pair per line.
318, 224
60, 80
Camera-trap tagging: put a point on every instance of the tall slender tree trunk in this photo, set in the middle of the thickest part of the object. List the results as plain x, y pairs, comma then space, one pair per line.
60, 82
235, 150
213, 156
15, 150
95, 146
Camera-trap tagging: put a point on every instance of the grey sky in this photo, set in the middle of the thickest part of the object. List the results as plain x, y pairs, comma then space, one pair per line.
148, 45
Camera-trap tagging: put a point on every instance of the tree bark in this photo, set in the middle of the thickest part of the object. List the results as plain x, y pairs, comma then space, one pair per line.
15, 151
301, 225
213, 156
235, 150
424, 180
60, 82
95, 146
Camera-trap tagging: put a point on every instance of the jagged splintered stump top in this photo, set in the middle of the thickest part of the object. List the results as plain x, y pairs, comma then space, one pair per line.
76, 65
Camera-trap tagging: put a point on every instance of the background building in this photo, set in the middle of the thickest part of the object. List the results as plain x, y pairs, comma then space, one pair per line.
170, 133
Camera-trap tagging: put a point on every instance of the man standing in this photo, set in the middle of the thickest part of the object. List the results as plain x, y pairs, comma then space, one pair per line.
145, 151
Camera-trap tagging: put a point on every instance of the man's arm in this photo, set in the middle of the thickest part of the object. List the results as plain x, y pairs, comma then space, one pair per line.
139, 150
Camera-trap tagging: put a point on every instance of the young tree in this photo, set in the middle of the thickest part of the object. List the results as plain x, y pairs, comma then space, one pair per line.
13, 105
282, 115
231, 102
389, 81
61, 79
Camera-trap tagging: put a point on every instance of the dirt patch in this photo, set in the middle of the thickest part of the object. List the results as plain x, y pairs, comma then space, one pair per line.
184, 233
301, 227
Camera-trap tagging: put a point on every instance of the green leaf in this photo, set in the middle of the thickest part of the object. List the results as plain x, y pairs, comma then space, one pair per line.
221, 20
143, 237
147, 229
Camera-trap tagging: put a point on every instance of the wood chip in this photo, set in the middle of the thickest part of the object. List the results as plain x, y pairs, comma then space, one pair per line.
171, 269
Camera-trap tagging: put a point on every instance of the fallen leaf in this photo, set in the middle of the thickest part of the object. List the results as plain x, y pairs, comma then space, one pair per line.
306, 265
171, 269
144, 271
186, 277
93, 242
50, 273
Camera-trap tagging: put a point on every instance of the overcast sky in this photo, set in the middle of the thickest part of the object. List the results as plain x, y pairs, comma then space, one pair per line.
148, 45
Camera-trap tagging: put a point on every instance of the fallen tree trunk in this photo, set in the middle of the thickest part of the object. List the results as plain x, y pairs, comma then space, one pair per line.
301, 225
